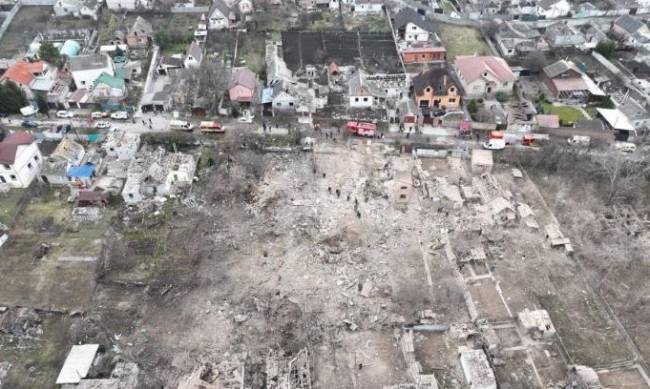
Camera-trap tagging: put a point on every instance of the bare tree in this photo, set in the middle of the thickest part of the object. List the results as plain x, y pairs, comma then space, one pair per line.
621, 175
490, 28
211, 81
535, 61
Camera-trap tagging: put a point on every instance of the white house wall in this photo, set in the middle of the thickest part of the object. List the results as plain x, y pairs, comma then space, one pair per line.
25, 168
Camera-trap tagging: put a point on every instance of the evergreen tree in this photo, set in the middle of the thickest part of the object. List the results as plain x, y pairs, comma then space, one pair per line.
47, 52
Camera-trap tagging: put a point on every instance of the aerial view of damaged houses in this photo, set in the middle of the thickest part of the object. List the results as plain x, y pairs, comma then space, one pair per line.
325, 194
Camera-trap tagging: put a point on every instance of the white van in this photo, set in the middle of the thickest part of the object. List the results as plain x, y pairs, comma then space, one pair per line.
180, 125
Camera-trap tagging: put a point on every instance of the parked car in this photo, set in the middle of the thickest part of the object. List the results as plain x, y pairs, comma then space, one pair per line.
625, 147
579, 140
102, 124
120, 115
29, 124
99, 115
64, 114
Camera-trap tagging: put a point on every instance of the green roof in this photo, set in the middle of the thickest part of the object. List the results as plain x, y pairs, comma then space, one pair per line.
113, 82
121, 73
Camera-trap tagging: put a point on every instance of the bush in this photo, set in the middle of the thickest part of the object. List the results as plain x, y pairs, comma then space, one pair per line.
606, 48
472, 107
502, 97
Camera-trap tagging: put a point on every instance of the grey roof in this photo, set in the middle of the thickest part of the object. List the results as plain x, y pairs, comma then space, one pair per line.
555, 69
195, 51
141, 26
407, 15
89, 62
546, 4
222, 7
629, 24
439, 79
593, 124
524, 29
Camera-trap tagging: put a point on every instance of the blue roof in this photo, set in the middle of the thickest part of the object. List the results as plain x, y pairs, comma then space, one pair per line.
267, 95
84, 171
70, 48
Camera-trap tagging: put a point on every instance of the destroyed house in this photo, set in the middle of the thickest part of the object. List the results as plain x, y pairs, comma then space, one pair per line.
157, 173
55, 167
477, 370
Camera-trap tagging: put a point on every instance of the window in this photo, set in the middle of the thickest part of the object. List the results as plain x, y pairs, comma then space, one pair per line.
131, 195
428, 89
290, 104
3, 179
452, 89
7, 167
452, 100
29, 166
365, 99
13, 178
36, 158
356, 99
414, 28
279, 104
83, 82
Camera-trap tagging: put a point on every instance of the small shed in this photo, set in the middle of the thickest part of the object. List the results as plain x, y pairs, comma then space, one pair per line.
482, 161
77, 364
89, 198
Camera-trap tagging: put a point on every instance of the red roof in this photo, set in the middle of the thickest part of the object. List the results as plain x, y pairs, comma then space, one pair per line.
19, 138
23, 72
9, 146
243, 77
570, 84
334, 68
425, 49
473, 66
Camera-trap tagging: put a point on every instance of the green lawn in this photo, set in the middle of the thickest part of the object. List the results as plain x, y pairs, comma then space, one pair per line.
9, 205
447, 6
567, 114
461, 40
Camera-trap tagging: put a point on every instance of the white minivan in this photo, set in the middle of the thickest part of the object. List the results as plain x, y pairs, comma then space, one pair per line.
180, 125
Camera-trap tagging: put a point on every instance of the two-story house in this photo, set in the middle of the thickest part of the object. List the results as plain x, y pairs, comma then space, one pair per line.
86, 69
435, 88
221, 16
411, 26
20, 160
482, 76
